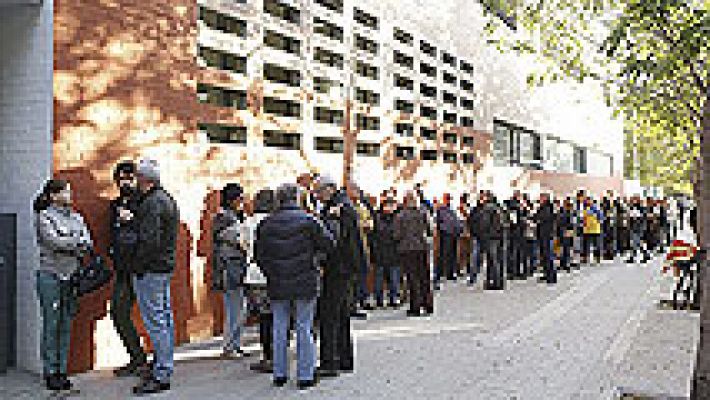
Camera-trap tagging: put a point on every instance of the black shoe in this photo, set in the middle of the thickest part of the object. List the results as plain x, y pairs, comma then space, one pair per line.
263, 366
380, 304
327, 372
429, 311
279, 382
348, 369
151, 386
53, 382
368, 307
413, 313
302, 385
65, 382
127, 370
358, 314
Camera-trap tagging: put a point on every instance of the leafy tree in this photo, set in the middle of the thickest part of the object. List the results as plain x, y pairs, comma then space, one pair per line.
650, 56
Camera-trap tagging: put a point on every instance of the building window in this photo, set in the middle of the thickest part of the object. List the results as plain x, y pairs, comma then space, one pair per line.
404, 153
223, 23
450, 98
323, 85
221, 96
450, 138
332, 5
404, 129
368, 149
466, 67
367, 45
328, 57
501, 143
428, 134
529, 151
427, 70
467, 122
367, 70
365, 19
449, 79
222, 60
404, 106
227, 134
282, 42
403, 82
403, 37
365, 123
450, 118
282, 11
466, 85
427, 48
367, 96
448, 59
580, 160
427, 91
277, 73
282, 140
450, 158
468, 158
468, 141
428, 112
328, 29
429, 155
466, 104
329, 145
403, 60
284, 108
328, 116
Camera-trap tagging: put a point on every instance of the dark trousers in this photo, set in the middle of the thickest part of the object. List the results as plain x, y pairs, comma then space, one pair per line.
515, 256
447, 256
266, 338
546, 259
492, 251
590, 239
121, 305
529, 256
336, 342
566, 243
609, 243
417, 271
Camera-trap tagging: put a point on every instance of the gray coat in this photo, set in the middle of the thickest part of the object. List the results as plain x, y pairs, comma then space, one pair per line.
228, 250
62, 237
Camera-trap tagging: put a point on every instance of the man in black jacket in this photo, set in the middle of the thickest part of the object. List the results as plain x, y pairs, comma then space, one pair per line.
286, 245
491, 237
157, 223
123, 241
515, 237
545, 219
339, 215
566, 232
474, 228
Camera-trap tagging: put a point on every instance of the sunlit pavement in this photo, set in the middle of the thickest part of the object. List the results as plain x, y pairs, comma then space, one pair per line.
595, 333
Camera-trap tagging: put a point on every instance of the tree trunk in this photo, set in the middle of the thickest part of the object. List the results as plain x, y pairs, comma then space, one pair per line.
700, 387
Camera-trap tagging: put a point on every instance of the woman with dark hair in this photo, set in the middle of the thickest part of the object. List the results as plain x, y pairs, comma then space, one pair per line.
63, 238
229, 264
264, 205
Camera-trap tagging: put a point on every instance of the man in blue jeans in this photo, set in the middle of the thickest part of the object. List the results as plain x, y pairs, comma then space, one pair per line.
157, 223
285, 248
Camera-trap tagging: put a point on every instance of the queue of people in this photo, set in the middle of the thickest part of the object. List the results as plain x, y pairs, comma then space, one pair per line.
301, 257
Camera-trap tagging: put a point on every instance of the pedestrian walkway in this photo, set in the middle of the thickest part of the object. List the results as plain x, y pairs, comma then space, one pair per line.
596, 331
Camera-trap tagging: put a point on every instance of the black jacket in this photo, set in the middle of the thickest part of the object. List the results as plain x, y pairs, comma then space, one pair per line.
474, 221
385, 245
157, 224
545, 219
565, 223
517, 222
491, 226
285, 248
343, 224
123, 234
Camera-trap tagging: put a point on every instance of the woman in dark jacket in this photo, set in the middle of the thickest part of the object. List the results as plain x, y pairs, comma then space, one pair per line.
386, 257
229, 265
410, 229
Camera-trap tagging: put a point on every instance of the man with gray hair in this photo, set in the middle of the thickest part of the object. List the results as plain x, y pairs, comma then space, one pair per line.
156, 224
285, 248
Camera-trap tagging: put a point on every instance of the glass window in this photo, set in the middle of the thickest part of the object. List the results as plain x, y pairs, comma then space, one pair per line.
283, 11
466, 67
428, 112
468, 141
403, 60
450, 98
450, 118
403, 82
449, 79
448, 59
466, 104
404, 106
427, 70
427, 48
404, 153
222, 97
403, 37
367, 96
368, 149
328, 29
323, 85
333, 5
366, 123
467, 122
450, 158
468, 158
328, 57
365, 19
427, 133
364, 44
282, 42
328, 116
367, 70
222, 60
224, 23
282, 140
277, 73
467, 86
450, 138
404, 129
329, 145
580, 160
284, 108
429, 155
228, 134
427, 91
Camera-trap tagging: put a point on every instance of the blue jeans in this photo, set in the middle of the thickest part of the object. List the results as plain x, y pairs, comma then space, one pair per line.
474, 266
306, 348
153, 295
392, 282
57, 307
233, 318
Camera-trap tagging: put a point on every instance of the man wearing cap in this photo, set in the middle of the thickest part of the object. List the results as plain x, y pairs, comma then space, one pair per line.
157, 224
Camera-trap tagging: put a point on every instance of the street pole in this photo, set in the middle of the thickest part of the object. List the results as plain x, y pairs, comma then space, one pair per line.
349, 136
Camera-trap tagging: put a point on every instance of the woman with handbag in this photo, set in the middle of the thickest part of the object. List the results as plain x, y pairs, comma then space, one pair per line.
229, 265
63, 239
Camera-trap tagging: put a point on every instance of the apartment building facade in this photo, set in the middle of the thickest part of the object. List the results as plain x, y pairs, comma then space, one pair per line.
385, 93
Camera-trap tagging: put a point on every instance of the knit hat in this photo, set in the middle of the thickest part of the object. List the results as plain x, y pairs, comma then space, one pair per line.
149, 169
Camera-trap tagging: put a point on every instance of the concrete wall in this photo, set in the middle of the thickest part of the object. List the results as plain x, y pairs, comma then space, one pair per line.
25, 147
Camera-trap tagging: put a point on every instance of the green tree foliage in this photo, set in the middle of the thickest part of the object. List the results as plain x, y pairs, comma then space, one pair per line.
650, 56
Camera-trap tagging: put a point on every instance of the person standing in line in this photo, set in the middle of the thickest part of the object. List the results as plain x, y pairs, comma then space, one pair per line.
229, 261
286, 245
123, 242
515, 237
565, 233
157, 219
592, 230
637, 225
410, 230
449, 229
474, 228
387, 262
63, 238
340, 217
491, 236
545, 220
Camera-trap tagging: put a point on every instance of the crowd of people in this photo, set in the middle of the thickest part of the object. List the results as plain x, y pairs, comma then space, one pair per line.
302, 256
